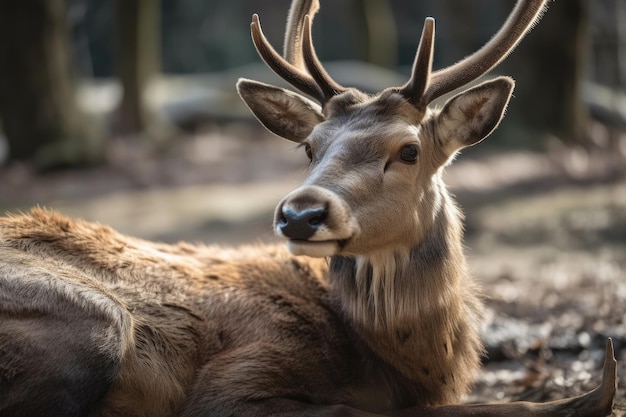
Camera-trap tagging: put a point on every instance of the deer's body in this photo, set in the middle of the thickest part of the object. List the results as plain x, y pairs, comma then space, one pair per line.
172, 324
96, 323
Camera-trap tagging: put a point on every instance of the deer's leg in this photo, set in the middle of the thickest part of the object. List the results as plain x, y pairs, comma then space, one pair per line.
285, 407
216, 397
596, 403
269, 379
51, 366
60, 345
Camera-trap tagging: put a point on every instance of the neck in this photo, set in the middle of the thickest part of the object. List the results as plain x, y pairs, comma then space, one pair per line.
415, 308
388, 288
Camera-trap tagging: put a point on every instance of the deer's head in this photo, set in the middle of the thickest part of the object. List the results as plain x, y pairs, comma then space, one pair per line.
376, 160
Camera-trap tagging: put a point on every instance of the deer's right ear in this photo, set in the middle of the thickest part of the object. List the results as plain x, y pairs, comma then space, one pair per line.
283, 112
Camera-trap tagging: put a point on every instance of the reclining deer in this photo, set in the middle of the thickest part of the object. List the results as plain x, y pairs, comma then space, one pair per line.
380, 319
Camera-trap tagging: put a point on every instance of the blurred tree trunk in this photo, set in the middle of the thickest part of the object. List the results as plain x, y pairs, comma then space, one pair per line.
382, 33
38, 107
354, 22
137, 52
371, 27
549, 67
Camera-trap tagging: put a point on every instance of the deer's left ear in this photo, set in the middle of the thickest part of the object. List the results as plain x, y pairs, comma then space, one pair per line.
472, 115
283, 112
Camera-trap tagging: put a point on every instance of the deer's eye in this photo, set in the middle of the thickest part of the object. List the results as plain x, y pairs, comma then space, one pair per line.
309, 152
409, 153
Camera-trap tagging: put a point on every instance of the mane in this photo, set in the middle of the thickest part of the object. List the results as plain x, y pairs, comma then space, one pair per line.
376, 282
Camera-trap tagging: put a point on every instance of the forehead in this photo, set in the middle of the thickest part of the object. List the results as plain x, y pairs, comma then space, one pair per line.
370, 122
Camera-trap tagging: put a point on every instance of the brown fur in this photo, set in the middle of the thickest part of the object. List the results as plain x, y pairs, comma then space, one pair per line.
195, 328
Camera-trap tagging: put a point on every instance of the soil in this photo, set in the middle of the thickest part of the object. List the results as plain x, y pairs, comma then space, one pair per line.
545, 234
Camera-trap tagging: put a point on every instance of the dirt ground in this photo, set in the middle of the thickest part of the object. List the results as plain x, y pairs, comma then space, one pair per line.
546, 235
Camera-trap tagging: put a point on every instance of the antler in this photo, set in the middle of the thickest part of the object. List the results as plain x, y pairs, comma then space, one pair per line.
420, 92
292, 50
293, 75
301, 68
310, 78
414, 90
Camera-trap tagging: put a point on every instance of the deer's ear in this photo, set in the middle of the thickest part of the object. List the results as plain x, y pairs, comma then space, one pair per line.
283, 112
472, 115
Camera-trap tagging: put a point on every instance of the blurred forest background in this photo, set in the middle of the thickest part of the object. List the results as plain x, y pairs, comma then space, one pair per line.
125, 112
78, 73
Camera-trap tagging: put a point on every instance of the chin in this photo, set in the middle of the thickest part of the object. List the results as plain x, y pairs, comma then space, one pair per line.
316, 249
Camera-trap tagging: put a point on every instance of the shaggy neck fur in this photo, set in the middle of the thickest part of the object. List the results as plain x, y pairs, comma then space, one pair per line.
416, 309
387, 288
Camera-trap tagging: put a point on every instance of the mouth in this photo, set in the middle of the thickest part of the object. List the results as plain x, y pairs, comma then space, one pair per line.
316, 248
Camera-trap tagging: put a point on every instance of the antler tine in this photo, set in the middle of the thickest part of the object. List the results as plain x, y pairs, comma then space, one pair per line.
422, 66
293, 75
292, 50
328, 86
300, 67
523, 17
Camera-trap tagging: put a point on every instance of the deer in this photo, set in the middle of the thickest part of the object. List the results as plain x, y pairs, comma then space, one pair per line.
367, 310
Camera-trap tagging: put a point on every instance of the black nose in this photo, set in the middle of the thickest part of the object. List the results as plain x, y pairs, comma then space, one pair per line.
301, 225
